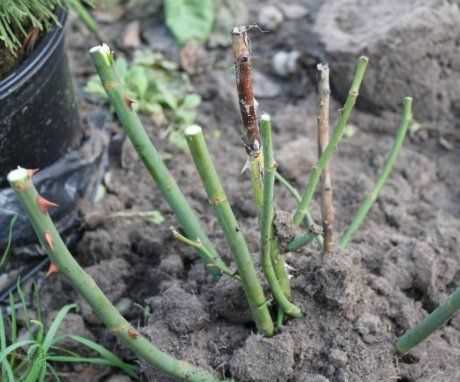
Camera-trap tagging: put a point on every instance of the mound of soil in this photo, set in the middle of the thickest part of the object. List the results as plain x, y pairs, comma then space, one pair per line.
406, 41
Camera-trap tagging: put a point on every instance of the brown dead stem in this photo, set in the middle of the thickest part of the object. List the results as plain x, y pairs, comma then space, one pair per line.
327, 207
248, 104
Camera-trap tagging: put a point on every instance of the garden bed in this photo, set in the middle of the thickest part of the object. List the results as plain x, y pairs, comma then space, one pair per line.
401, 264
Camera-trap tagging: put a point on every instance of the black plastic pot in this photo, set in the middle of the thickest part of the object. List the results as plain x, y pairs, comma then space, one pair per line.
39, 119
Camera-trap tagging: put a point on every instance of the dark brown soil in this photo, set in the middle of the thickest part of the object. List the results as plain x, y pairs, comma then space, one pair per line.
400, 266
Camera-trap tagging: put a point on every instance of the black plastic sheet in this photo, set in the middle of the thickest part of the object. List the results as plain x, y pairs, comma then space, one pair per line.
72, 178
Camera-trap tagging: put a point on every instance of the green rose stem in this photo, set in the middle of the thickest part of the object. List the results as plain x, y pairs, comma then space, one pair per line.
304, 239
301, 240
276, 286
277, 261
132, 125
36, 208
361, 214
232, 232
198, 245
431, 323
345, 113
248, 109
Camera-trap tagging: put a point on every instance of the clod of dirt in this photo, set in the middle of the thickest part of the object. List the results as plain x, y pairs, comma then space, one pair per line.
264, 86
434, 360
370, 327
124, 306
293, 165
338, 283
172, 265
285, 229
98, 245
73, 324
405, 40
223, 339
270, 17
338, 357
118, 378
182, 311
294, 11
264, 359
146, 245
307, 377
285, 63
192, 347
108, 275
229, 301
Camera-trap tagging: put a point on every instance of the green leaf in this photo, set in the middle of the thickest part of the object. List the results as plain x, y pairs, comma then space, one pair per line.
13, 324
3, 344
38, 368
177, 138
41, 329
12, 348
8, 370
94, 86
121, 67
165, 96
107, 355
191, 101
53, 373
10, 239
78, 359
2, 332
51, 334
156, 217
190, 19
137, 81
184, 116
151, 107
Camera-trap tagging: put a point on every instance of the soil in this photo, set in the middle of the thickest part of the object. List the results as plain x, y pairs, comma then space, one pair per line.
399, 267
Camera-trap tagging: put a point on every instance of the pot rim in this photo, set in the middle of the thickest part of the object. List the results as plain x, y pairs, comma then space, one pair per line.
35, 62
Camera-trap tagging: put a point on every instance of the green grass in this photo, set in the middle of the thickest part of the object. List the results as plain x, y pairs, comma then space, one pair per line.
7, 249
18, 16
34, 357
158, 89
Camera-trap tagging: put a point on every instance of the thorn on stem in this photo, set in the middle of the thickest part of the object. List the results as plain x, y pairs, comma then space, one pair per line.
129, 102
32, 172
49, 240
133, 333
53, 268
44, 205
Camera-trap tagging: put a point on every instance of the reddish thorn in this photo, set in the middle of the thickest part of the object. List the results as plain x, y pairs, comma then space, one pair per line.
52, 269
49, 240
129, 102
132, 333
32, 172
44, 205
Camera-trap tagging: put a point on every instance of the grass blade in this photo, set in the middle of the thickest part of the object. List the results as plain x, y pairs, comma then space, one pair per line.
53, 372
13, 347
345, 113
371, 198
51, 334
10, 240
106, 354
